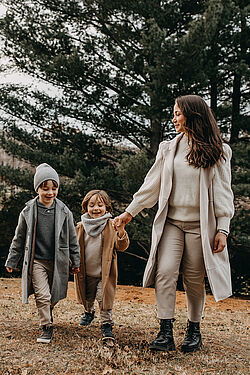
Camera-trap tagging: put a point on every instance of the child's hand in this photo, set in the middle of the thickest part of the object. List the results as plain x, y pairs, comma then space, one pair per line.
74, 270
9, 269
121, 220
119, 229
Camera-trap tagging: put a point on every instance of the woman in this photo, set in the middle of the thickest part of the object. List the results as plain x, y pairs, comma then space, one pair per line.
191, 181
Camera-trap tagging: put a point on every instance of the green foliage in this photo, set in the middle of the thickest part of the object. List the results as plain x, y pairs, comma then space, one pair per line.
133, 169
120, 64
239, 249
239, 239
115, 67
121, 181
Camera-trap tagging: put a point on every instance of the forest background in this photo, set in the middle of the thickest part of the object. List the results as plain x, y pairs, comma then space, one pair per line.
110, 71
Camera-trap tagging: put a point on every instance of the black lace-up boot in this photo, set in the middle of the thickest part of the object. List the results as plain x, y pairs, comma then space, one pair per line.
164, 340
192, 341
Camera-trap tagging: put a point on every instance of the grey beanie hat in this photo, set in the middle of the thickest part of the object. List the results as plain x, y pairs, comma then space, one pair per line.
43, 173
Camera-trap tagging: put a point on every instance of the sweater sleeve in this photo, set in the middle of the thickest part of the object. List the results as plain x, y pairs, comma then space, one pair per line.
223, 195
121, 244
148, 194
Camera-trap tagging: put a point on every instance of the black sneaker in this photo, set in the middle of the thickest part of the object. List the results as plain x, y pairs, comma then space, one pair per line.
107, 333
87, 318
46, 335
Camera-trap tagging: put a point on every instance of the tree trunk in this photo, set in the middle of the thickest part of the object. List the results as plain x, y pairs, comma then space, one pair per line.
214, 75
242, 56
235, 108
214, 94
156, 137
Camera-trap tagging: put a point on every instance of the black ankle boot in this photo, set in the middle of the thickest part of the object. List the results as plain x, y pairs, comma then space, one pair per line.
164, 340
192, 341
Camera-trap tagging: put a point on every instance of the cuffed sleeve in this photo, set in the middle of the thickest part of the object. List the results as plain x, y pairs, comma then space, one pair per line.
122, 243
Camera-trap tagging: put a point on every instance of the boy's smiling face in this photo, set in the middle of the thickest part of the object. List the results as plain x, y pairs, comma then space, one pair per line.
47, 193
96, 207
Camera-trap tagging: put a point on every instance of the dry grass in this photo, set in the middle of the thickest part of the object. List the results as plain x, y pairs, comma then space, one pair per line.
79, 350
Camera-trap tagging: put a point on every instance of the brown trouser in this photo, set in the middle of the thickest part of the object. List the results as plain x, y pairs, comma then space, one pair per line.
94, 291
180, 248
42, 276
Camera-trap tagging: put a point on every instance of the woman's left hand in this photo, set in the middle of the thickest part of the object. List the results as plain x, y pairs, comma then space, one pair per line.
220, 242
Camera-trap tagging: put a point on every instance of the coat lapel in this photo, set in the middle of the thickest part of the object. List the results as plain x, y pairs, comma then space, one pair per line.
160, 217
107, 248
30, 213
167, 173
60, 215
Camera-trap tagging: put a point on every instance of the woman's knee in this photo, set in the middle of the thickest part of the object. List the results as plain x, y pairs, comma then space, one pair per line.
167, 274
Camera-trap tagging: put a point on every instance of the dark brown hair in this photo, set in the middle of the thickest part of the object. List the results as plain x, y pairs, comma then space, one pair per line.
101, 194
202, 130
45, 184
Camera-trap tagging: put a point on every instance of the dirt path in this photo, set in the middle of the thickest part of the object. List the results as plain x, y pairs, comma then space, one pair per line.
140, 295
78, 350
147, 295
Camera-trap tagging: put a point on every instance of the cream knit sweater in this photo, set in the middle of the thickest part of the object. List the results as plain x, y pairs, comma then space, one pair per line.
184, 200
93, 255
151, 190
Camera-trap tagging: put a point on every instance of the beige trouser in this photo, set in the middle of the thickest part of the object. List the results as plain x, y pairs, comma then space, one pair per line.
180, 247
42, 276
94, 291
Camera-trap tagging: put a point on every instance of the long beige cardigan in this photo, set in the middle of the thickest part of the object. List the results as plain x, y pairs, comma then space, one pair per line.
216, 210
110, 243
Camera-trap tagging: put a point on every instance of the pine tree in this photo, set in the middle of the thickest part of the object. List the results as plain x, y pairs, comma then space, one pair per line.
113, 63
218, 40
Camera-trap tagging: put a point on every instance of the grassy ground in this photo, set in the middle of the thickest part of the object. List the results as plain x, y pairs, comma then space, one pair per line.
79, 350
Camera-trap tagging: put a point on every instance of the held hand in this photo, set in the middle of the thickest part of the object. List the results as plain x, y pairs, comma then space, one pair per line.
119, 229
74, 270
121, 232
9, 269
122, 220
220, 242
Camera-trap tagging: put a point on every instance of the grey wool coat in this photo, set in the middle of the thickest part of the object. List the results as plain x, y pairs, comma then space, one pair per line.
216, 210
67, 251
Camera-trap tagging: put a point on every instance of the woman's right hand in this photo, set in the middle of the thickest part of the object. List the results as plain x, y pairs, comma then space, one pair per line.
122, 219
9, 269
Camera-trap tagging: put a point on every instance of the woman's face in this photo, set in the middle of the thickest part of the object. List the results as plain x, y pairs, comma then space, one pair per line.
179, 119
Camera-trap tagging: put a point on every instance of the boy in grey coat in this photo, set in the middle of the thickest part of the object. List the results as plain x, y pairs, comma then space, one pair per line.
46, 237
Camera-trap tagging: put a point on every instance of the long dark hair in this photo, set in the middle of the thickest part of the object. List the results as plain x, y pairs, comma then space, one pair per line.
202, 130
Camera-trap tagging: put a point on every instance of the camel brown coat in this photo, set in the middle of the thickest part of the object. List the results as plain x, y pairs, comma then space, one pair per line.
110, 243
216, 210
